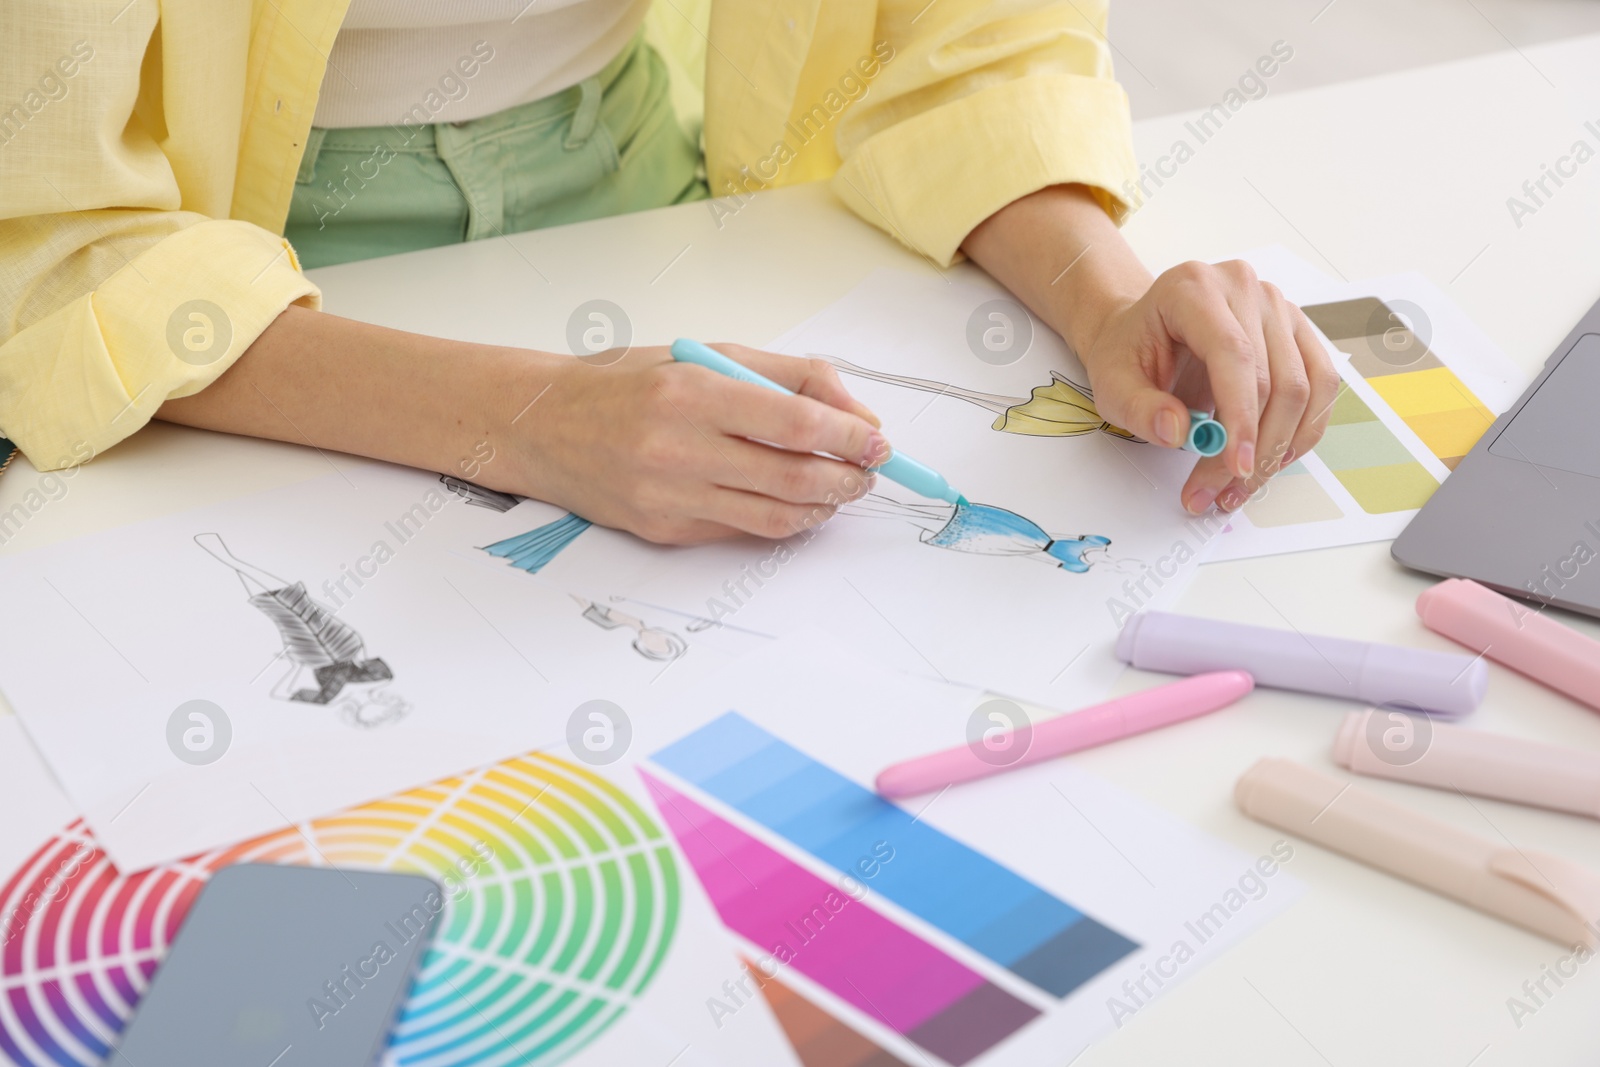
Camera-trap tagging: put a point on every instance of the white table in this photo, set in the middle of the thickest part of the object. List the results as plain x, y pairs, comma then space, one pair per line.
1408, 171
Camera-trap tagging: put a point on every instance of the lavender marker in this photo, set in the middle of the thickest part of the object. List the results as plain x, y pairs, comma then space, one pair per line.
1445, 683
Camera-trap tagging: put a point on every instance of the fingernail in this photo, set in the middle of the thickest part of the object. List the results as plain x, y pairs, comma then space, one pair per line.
1231, 499
1169, 431
1245, 460
1288, 458
877, 449
1200, 501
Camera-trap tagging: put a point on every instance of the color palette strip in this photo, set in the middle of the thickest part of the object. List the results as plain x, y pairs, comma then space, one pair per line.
1369, 460
956, 889
1414, 382
1292, 497
819, 1038
860, 956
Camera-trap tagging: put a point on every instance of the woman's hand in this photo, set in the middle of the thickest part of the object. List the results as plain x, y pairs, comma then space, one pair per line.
1204, 336
1153, 348
673, 452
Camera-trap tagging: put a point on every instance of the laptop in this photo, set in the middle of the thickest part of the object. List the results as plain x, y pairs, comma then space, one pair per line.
1521, 513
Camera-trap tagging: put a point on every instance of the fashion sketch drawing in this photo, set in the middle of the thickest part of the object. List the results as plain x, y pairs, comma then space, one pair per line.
322, 649
984, 530
1063, 408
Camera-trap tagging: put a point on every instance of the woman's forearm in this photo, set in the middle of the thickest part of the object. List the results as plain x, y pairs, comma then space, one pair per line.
334, 383
671, 451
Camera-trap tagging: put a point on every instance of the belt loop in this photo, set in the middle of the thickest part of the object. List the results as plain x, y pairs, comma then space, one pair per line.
478, 176
588, 113
308, 158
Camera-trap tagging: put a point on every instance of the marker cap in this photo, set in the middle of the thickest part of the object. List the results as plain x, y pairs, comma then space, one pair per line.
1516, 634
1207, 437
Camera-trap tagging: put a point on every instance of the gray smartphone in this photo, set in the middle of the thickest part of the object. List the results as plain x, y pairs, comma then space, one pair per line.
285, 965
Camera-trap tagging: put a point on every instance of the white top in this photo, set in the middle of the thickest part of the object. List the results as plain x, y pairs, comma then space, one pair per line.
424, 61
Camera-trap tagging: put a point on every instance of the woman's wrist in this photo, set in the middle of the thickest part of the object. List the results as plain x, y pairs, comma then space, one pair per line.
1060, 253
337, 384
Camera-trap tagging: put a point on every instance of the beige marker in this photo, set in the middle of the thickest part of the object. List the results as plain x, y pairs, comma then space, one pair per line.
1437, 754
1543, 893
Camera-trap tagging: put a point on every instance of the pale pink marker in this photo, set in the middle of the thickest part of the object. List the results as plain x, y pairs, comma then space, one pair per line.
1515, 634
1548, 894
1073, 732
1487, 765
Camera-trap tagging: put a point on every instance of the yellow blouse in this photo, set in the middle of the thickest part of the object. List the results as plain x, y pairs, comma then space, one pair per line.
148, 151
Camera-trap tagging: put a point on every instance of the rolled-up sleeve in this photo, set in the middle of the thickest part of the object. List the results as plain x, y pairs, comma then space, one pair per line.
980, 105
114, 297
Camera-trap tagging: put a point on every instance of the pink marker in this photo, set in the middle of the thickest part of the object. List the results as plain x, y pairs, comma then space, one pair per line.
1073, 732
1470, 761
1513, 633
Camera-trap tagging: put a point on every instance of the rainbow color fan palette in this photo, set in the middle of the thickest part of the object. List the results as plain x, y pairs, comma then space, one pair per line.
562, 903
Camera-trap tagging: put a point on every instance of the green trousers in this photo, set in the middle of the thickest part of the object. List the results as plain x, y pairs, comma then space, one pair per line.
608, 145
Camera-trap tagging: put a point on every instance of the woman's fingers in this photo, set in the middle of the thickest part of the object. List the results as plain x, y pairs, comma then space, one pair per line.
1272, 380
762, 516
1304, 388
796, 423
1239, 382
1324, 381
815, 378
1290, 389
1197, 314
1126, 397
792, 477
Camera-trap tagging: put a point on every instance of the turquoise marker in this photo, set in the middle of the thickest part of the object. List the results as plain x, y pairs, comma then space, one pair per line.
899, 467
1206, 435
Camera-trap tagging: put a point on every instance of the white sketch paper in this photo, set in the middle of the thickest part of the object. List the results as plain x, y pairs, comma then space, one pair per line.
347, 641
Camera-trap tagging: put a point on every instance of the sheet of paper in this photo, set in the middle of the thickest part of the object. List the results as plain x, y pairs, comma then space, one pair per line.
1023, 590
1421, 384
1011, 921
209, 676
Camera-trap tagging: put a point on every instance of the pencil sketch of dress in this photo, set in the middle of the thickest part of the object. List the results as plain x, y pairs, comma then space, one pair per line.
315, 642
1062, 408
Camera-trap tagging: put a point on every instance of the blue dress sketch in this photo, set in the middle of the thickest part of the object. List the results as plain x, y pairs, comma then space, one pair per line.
533, 550
985, 530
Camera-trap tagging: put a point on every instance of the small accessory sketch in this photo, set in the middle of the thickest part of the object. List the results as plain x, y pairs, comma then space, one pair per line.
315, 640
478, 496
651, 642
533, 550
1061, 409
